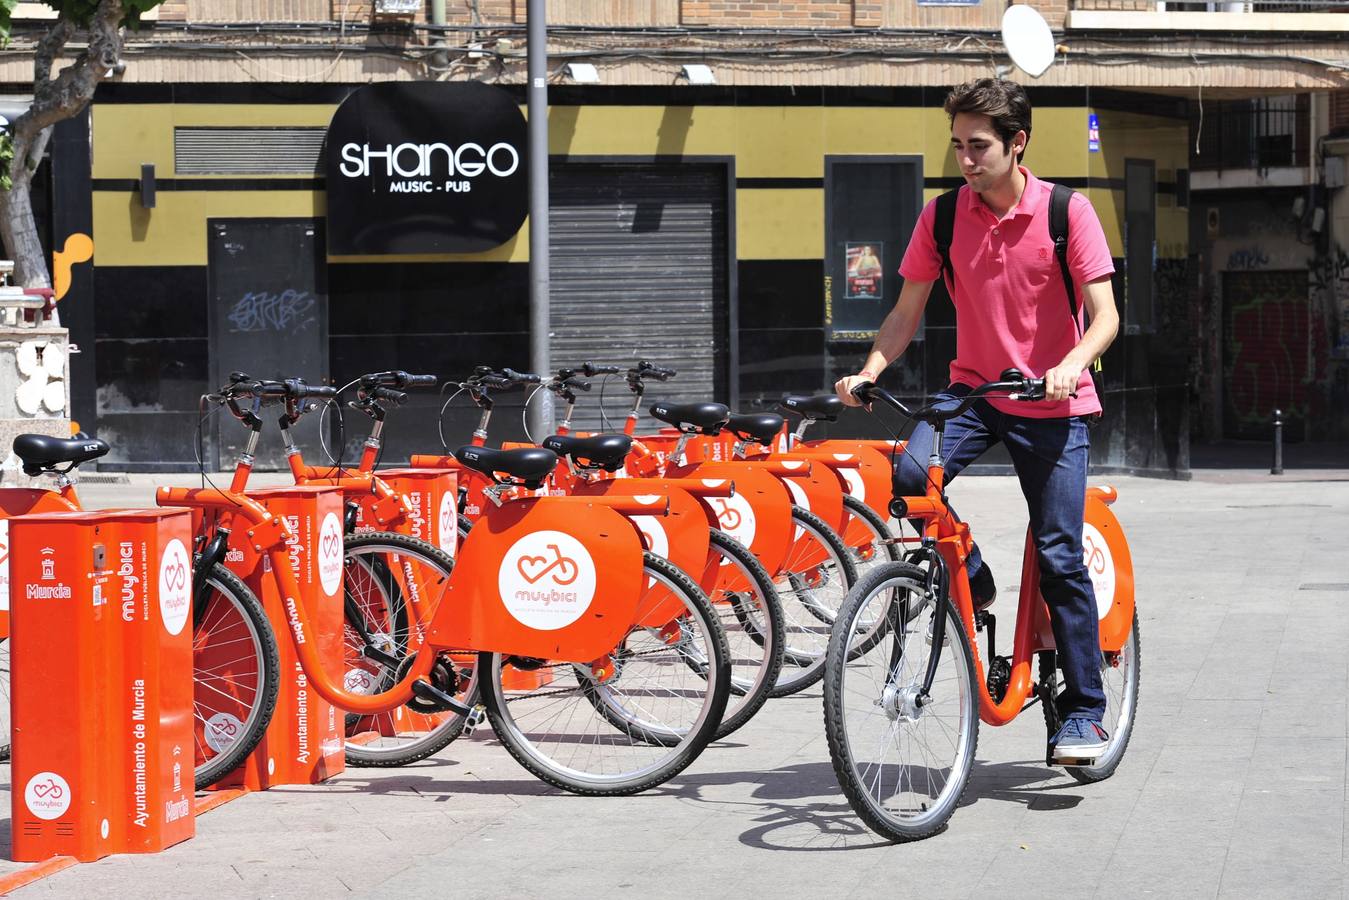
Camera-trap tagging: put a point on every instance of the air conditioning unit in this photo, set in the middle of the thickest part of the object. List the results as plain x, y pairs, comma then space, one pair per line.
397, 7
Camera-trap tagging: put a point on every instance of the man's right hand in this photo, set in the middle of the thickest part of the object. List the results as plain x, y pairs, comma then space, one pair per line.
844, 386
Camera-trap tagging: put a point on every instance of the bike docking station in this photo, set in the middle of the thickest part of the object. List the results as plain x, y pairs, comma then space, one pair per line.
303, 743
101, 683
431, 500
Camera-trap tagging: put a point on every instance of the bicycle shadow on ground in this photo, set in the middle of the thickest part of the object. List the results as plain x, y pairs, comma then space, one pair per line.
1034, 786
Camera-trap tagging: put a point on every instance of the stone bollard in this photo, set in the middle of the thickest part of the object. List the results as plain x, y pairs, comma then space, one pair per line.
1277, 467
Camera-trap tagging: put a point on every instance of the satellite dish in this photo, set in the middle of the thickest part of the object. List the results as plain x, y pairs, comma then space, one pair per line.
1028, 39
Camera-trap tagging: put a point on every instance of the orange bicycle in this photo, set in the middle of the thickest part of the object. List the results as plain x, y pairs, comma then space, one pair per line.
904, 686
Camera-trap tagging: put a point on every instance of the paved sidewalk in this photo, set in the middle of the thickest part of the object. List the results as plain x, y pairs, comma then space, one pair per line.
1234, 784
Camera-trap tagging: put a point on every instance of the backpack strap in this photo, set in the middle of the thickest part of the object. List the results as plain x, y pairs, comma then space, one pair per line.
1059, 199
943, 226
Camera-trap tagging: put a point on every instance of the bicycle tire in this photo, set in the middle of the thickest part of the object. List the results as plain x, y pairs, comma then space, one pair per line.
752, 692
1125, 701
525, 741
876, 525
252, 727
806, 644
5, 721
416, 746
898, 707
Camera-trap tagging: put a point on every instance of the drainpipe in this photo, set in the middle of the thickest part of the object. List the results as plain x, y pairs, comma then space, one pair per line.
440, 59
540, 319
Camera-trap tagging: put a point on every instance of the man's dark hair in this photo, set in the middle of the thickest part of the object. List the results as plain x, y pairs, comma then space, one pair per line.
1004, 102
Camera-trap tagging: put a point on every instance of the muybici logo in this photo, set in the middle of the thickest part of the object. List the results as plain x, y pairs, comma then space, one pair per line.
330, 554
547, 580
447, 524
47, 795
735, 517
359, 681
221, 731
1100, 568
175, 583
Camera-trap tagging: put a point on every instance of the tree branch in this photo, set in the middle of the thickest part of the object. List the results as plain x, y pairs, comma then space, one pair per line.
50, 47
67, 94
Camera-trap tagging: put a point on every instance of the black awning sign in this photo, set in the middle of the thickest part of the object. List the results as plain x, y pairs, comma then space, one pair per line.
426, 167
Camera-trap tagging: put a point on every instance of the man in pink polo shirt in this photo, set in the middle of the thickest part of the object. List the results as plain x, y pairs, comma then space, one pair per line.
1012, 311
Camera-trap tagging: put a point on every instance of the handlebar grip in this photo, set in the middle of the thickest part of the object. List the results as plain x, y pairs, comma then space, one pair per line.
321, 392
269, 389
862, 390
420, 380
577, 383
389, 394
521, 377
590, 370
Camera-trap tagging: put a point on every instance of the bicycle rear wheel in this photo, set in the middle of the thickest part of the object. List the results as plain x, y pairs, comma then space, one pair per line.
634, 726
814, 580
236, 674
1120, 674
383, 572
902, 759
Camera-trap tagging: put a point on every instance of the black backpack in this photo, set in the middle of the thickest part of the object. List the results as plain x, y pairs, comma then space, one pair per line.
943, 225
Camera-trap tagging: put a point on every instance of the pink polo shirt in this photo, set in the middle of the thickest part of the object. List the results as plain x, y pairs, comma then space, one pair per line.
1011, 305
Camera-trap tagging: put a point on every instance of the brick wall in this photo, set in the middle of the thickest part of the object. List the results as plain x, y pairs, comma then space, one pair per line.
716, 13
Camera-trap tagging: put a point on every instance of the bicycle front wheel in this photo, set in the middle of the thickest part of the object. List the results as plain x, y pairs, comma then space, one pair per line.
902, 758
814, 579
392, 586
628, 725
751, 615
236, 674
5, 723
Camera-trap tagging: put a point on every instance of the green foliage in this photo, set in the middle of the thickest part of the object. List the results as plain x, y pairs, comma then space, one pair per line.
79, 12
6, 160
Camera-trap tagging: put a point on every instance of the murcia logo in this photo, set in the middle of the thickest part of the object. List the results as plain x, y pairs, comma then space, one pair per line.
1043, 253
48, 564
330, 554
175, 578
47, 795
547, 580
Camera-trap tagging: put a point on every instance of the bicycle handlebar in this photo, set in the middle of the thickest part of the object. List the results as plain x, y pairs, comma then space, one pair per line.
644, 370
520, 377
243, 386
1017, 386
398, 379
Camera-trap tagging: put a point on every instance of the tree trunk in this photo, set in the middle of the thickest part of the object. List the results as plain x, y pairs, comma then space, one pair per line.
54, 99
19, 230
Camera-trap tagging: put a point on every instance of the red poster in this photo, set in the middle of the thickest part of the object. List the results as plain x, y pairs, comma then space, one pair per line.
866, 279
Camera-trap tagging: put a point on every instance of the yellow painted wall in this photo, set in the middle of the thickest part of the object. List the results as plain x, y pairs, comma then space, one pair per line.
766, 142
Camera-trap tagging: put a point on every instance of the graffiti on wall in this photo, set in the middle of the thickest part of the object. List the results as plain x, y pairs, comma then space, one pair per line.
1247, 259
1266, 338
1330, 296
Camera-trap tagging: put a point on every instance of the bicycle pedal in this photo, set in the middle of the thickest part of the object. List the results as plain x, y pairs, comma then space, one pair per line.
436, 700
475, 717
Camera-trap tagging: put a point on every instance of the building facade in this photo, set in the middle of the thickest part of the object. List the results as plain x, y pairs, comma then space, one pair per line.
704, 226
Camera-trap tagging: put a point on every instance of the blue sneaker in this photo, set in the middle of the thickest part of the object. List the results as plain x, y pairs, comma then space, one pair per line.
1079, 742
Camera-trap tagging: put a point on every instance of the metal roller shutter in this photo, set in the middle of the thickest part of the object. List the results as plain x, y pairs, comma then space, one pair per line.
639, 260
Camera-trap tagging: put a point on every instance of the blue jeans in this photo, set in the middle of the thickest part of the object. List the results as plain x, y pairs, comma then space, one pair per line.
1050, 458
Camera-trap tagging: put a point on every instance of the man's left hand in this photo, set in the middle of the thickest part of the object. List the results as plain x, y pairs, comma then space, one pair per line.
1061, 381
